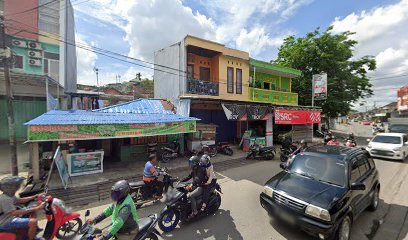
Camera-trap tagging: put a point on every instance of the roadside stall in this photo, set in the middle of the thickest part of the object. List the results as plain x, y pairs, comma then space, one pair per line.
91, 141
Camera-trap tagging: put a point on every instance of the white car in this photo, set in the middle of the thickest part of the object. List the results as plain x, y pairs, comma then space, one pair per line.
389, 145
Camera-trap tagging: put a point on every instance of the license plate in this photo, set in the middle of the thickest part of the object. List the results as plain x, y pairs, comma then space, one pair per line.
287, 218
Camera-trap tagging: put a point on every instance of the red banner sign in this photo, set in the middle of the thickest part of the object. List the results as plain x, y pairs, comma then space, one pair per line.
296, 116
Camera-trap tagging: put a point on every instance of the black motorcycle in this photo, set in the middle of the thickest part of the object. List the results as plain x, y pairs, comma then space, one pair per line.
224, 148
147, 230
286, 152
169, 153
142, 193
261, 153
178, 207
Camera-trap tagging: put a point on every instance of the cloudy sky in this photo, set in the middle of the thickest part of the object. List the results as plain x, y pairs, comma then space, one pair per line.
138, 28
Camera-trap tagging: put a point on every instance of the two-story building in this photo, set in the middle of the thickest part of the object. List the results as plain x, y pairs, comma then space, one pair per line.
226, 87
37, 37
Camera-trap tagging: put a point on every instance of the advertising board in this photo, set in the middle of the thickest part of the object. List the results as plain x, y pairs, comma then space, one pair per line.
284, 116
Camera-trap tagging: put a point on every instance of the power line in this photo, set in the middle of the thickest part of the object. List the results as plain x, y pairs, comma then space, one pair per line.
31, 9
396, 76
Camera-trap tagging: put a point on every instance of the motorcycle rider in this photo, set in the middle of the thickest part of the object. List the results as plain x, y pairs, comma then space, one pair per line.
211, 179
123, 211
198, 174
11, 218
301, 148
150, 175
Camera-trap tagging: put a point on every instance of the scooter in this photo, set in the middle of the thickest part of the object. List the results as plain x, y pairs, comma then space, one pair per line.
146, 231
261, 153
285, 153
61, 222
142, 193
178, 206
169, 153
224, 148
334, 142
350, 143
211, 150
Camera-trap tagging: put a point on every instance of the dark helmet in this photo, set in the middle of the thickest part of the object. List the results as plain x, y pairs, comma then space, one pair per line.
205, 160
120, 190
193, 161
10, 185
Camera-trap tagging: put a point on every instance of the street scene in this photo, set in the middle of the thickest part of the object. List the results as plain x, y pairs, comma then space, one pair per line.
170, 119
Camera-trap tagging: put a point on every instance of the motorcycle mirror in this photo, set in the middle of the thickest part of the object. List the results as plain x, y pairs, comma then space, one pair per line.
87, 213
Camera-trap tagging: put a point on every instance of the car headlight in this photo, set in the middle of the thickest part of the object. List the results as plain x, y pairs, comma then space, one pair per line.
268, 191
318, 212
397, 149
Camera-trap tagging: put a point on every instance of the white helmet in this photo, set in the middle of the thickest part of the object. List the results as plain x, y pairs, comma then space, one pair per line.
205, 160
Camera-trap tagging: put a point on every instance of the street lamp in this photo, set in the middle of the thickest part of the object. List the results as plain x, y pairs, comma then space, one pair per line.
96, 70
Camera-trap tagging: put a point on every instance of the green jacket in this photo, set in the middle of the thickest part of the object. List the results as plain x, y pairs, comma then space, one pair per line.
124, 216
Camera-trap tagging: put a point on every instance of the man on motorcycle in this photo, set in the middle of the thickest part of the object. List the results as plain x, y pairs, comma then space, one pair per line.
123, 211
198, 174
11, 218
150, 175
301, 148
211, 179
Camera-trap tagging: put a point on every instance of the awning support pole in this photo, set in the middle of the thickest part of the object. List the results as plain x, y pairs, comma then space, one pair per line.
35, 159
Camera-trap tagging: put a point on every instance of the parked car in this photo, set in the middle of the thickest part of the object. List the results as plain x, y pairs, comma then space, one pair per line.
323, 190
365, 122
389, 145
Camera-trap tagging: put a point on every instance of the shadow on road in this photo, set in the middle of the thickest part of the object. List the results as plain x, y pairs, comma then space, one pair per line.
219, 227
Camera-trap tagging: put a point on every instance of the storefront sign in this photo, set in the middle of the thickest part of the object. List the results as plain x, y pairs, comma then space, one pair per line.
95, 131
402, 100
85, 163
320, 86
62, 168
283, 116
251, 112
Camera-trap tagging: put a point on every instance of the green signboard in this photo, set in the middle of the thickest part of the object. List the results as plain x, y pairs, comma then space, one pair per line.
85, 163
98, 131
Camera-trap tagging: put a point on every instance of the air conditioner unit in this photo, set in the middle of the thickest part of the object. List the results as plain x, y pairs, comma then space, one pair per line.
190, 58
35, 62
34, 45
19, 43
34, 54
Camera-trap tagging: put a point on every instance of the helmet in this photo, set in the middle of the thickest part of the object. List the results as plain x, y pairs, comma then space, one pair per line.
205, 160
120, 190
193, 161
302, 141
10, 185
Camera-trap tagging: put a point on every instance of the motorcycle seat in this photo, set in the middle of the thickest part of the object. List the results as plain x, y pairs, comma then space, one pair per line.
168, 149
136, 184
144, 223
266, 148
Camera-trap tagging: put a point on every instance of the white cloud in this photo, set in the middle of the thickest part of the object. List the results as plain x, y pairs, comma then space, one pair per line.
85, 63
381, 32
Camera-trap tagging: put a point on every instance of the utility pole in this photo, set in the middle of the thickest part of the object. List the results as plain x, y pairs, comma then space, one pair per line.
96, 70
10, 112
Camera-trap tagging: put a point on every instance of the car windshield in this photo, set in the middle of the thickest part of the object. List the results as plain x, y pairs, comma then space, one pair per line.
399, 128
387, 139
321, 168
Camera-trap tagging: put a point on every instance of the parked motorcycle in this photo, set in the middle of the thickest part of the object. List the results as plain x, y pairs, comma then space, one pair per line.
169, 153
178, 206
61, 222
334, 142
224, 148
146, 231
261, 153
211, 150
142, 193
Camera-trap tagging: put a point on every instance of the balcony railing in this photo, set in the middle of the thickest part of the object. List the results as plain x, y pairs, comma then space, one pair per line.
202, 87
275, 97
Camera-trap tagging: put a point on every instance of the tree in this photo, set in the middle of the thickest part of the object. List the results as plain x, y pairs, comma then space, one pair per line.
331, 53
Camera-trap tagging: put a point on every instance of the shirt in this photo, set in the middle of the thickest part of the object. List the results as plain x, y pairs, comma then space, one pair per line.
150, 172
210, 174
6, 206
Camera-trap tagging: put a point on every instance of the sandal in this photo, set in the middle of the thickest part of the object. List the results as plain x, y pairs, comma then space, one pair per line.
192, 215
203, 207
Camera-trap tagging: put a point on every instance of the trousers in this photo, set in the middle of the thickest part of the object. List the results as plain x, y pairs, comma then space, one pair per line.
194, 195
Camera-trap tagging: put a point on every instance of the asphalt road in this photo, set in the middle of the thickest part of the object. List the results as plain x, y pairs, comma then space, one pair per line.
242, 217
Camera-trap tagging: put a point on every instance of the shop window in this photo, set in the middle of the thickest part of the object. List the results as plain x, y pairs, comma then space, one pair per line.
239, 81
267, 85
18, 61
230, 80
204, 74
190, 71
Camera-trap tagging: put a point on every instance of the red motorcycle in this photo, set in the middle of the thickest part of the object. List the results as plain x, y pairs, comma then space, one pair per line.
334, 142
224, 148
62, 223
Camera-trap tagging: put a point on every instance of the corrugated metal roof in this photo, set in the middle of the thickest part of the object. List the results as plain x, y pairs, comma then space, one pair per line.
140, 106
75, 117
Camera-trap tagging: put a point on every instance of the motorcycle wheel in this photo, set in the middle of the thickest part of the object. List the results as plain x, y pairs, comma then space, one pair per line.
165, 157
69, 229
283, 158
169, 220
213, 152
250, 155
152, 236
229, 151
215, 208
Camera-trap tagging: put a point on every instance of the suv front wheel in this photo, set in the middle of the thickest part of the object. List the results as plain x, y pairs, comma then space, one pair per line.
344, 230
375, 200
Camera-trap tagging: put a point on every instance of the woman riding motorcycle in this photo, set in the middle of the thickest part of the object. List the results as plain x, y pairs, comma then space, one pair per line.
198, 174
123, 211
211, 179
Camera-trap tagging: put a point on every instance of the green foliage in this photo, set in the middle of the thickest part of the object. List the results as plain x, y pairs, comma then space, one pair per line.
331, 53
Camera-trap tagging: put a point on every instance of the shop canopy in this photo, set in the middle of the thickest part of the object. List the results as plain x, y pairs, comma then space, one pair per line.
139, 118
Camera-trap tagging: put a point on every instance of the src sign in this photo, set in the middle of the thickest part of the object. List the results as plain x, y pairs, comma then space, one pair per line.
296, 116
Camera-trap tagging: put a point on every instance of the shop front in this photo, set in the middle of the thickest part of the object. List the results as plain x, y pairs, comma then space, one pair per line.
93, 140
